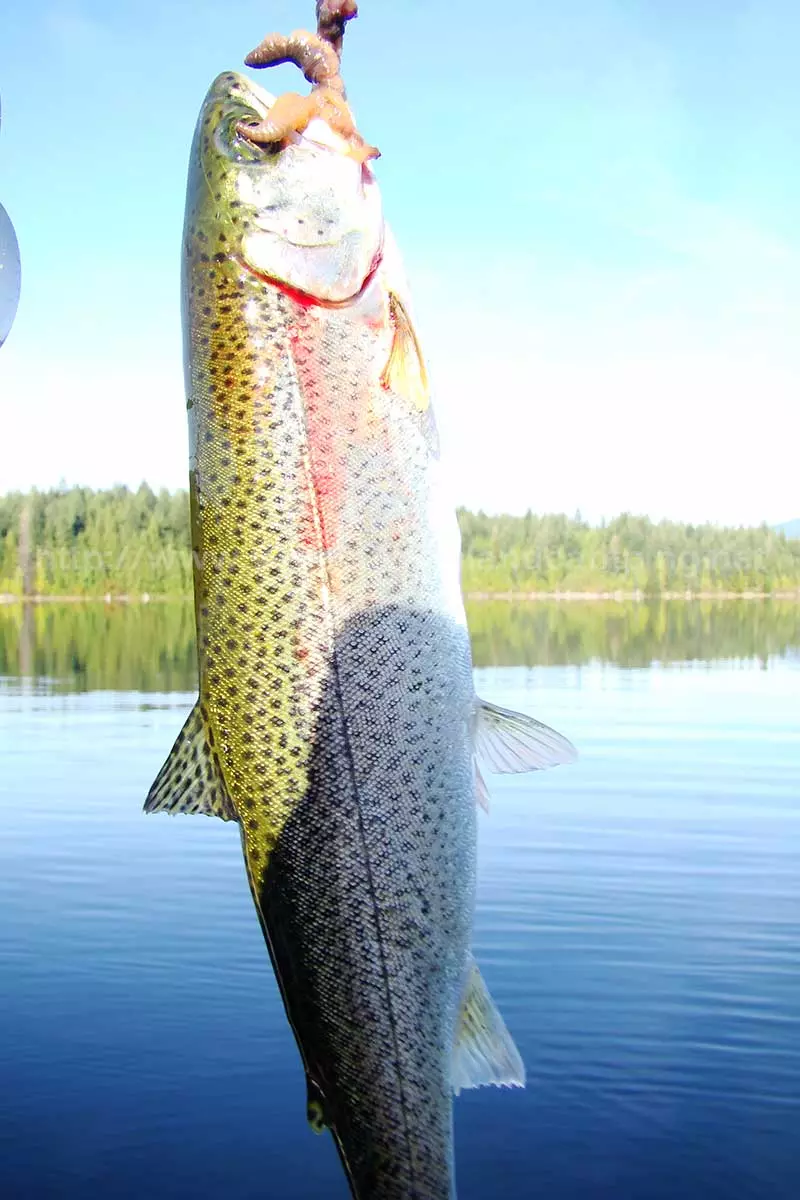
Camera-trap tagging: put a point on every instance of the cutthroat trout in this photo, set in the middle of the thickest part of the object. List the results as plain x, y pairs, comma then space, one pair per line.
337, 721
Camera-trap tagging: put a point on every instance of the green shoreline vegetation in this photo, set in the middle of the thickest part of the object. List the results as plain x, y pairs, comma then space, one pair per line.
76, 542
151, 647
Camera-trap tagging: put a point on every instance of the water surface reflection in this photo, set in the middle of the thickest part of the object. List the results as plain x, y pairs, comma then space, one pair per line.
151, 647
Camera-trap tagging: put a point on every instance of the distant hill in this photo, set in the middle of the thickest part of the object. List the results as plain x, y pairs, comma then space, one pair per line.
790, 528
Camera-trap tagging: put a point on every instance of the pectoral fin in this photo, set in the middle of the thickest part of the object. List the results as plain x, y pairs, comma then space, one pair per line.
484, 1051
405, 372
508, 742
190, 780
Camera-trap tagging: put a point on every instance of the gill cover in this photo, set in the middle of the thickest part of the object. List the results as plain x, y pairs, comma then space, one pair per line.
304, 213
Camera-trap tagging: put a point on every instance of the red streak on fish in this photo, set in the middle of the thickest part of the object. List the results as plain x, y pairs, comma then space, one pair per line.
320, 518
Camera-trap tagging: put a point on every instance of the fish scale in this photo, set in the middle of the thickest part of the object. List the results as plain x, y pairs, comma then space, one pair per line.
333, 900
376, 872
337, 721
257, 595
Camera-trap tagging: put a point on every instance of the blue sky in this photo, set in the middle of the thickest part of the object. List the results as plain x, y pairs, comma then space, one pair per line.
597, 204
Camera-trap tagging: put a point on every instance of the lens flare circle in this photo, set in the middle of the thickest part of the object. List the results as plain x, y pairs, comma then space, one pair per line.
9, 274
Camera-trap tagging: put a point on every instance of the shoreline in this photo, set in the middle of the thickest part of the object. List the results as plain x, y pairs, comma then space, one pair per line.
635, 597
619, 597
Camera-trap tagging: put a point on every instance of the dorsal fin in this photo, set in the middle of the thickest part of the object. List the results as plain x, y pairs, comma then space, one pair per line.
190, 780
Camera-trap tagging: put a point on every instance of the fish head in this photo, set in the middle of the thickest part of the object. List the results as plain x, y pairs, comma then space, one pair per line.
304, 214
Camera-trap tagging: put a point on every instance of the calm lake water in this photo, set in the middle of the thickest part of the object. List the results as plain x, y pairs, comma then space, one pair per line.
638, 921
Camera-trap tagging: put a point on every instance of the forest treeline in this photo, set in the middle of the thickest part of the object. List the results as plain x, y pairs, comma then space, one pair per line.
80, 542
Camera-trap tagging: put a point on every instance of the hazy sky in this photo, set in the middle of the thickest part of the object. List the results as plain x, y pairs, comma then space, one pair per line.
597, 202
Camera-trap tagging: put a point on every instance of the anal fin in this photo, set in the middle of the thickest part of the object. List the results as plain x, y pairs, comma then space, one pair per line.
190, 780
484, 1051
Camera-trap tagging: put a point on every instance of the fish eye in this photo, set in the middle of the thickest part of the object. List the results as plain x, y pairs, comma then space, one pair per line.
235, 145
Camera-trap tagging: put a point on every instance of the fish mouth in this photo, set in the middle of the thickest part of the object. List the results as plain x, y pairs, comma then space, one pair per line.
307, 213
